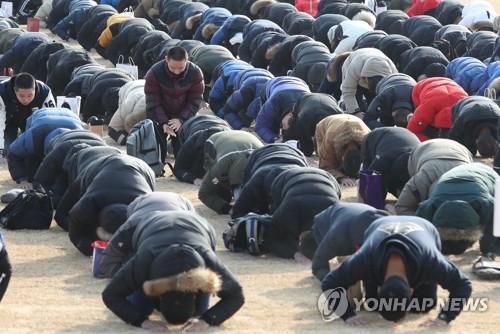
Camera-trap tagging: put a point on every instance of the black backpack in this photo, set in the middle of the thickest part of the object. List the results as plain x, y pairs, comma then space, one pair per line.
245, 234
31, 209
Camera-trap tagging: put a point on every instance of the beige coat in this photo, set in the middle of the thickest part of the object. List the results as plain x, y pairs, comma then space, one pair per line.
131, 106
333, 134
361, 64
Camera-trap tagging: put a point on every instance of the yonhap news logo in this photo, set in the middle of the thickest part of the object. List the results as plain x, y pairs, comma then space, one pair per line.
333, 303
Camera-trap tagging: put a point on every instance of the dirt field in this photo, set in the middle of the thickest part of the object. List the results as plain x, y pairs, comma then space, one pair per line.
52, 289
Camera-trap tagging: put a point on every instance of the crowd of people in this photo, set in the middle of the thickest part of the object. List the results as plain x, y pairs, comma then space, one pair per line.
407, 89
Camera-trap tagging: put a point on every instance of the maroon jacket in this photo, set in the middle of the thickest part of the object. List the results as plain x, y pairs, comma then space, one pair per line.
170, 97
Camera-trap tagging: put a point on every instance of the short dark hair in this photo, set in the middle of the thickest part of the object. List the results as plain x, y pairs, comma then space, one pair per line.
308, 244
486, 145
401, 117
177, 53
24, 81
394, 288
352, 163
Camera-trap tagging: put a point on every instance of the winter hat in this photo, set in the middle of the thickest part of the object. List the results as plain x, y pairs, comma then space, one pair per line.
112, 216
455, 214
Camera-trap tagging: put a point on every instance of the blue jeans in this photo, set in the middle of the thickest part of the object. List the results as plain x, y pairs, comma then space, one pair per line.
147, 304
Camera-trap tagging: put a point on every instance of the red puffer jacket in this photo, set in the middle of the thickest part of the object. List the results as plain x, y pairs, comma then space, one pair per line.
434, 98
306, 6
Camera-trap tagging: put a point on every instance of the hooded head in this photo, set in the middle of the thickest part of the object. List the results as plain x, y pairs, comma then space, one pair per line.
111, 217
458, 225
178, 274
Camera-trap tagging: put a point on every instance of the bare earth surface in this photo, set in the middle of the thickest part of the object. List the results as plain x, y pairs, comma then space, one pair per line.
52, 289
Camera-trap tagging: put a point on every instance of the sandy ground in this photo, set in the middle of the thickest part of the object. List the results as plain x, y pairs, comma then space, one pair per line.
53, 291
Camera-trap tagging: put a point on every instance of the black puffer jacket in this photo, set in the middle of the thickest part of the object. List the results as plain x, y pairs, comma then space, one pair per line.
393, 46
391, 21
298, 194
79, 76
107, 180
322, 25
308, 111
120, 245
393, 92
92, 29
255, 196
468, 116
50, 174
447, 12
262, 44
368, 39
421, 29
424, 60
281, 55
309, 62
277, 11
143, 55
189, 16
272, 154
102, 99
192, 136
387, 150
36, 63
158, 234
298, 23
452, 40
122, 44
481, 45
60, 66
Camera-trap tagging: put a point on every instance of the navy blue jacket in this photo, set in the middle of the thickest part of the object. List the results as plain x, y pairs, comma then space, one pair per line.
420, 246
339, 231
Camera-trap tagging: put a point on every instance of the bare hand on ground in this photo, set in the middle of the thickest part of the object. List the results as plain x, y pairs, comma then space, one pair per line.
195, 324
25, 185
300, 258
3, 160
357, 320
155, 326
349, 182
433, 323
197, 182
391, 208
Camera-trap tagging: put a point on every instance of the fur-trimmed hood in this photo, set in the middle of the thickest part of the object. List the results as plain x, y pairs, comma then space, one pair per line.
190, 22
260, 4
194, 280
271, 51
209, 30
456, 234
335, 66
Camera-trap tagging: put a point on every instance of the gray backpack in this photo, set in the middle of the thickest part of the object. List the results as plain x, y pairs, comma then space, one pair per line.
143, 143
